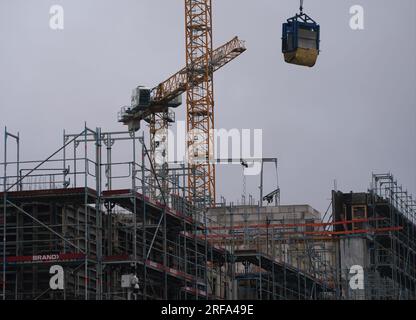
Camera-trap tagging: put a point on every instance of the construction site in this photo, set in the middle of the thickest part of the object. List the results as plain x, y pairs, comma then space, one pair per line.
145, 228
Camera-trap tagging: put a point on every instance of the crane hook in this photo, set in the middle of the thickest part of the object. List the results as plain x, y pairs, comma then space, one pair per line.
301, 6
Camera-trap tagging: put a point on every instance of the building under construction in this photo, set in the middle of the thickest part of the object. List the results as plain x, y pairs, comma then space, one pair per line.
115, 220
120, 230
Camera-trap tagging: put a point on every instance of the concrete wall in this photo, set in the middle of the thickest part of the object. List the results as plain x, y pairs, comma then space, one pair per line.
255, 214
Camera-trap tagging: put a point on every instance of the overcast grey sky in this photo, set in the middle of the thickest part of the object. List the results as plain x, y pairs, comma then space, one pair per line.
352, 114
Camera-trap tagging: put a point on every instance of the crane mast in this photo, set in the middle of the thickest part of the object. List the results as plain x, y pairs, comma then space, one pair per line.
200, 101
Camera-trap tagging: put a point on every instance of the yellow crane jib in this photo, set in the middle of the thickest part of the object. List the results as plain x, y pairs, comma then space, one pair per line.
167, 94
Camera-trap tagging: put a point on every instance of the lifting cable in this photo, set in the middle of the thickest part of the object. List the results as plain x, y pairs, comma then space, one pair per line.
301, 6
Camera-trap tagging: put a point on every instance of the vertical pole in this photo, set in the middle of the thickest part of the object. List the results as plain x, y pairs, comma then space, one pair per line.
260, 255
261, 184
109, 164
144, 220
233, 266
4, 212
98, 215
206, 245
75, 163
277, 197
165, 247
273, 265
18, 187
18, 160
109, 236
64, 160
184, 224
196, 233
165, 257
86, 212
133, 176
6, 134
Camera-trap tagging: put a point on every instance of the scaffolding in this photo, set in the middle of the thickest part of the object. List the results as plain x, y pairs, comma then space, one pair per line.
386, 251
275, 257
81, 209
88, 210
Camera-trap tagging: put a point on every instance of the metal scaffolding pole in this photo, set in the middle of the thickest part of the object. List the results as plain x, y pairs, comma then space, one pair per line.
5, 190
4, 213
